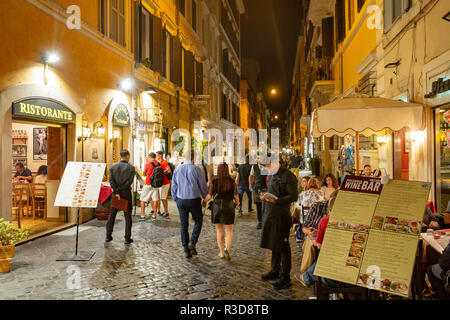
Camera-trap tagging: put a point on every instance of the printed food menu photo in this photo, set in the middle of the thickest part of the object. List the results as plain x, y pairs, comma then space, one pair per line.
393, 238
344, 242
380, 256
80, 185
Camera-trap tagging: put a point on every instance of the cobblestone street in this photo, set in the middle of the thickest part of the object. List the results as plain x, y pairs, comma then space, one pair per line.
153, 267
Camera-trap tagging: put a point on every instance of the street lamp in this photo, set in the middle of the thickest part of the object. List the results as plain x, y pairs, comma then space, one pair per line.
273, 91
126, 84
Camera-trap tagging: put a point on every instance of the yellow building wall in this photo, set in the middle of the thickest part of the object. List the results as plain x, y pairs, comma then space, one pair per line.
86, 69
359, 42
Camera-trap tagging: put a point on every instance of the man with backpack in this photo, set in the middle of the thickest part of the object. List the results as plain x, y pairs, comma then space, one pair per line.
164, 190
154, 180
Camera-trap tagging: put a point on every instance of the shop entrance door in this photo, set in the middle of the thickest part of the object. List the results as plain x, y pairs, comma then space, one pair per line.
401, 156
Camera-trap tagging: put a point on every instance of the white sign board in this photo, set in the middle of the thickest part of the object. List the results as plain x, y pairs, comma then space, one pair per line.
80, 185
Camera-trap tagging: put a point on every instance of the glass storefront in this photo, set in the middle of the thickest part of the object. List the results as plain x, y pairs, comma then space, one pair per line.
442, 152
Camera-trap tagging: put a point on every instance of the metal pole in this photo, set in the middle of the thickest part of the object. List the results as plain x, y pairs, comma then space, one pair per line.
357, 153
78, 223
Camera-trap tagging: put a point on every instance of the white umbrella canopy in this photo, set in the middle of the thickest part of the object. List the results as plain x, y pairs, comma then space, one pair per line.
364, 115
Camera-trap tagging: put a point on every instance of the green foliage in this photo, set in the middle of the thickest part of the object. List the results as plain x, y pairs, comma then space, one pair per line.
10, 235
147, 62
314, 164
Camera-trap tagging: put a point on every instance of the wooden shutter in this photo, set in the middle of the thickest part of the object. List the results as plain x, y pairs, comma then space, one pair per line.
137, 31
340, 21
175, 63
360, 4
328, 37
189, 76
157, 44
198, 77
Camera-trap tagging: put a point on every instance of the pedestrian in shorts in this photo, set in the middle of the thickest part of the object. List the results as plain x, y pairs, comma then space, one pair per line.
148, 192
164, 190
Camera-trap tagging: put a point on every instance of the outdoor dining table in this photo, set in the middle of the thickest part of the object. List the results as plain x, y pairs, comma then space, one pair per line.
438, 246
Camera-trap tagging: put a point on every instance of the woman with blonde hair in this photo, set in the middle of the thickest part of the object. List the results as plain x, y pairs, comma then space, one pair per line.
224, 190
312, 194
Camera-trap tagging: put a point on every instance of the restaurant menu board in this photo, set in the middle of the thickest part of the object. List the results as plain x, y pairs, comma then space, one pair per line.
380, 256
80, 185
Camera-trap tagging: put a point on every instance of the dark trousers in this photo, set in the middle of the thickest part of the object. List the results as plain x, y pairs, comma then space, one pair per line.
127, 214
281, 260
194, 206
259, 211
437, 285
241, 191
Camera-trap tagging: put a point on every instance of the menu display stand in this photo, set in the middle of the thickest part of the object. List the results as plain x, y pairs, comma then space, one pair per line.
78, 256
80, 188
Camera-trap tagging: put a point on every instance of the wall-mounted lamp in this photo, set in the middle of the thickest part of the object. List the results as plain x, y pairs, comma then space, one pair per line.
392, 65
150, 90
126, 84
100, 128
115, 135
85, 132
50, 58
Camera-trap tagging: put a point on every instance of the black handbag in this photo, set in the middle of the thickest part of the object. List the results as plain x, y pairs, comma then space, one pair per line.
211, 203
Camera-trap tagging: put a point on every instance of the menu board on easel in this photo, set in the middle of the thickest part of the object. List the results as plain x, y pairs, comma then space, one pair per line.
372, 234
80, 185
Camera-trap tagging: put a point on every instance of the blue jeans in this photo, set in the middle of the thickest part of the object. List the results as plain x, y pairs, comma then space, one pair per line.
241, 191
194, 206
310, 278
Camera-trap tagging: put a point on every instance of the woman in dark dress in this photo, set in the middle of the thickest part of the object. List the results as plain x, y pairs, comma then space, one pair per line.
224, 190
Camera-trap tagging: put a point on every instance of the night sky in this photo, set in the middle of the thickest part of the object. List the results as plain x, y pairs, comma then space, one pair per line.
269, 31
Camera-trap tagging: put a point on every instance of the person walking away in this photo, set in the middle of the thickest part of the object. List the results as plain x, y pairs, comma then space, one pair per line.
121, 176
224, 190
330, 185
164, 190
277, 224
150, 192
295, 162
242, 180
188, 188
257, 182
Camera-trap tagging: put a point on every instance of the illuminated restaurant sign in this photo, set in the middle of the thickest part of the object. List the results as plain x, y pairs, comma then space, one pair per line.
121, 116
438, 87
45, 109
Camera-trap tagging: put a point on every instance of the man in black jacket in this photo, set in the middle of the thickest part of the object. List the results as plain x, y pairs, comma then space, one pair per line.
277, 223
121, 176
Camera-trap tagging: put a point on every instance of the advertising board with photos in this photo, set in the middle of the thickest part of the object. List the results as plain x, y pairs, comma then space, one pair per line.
80, 185
373, 233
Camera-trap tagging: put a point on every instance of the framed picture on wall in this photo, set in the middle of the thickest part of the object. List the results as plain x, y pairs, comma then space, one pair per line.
19, 150
40, 145
16, 160
94, 150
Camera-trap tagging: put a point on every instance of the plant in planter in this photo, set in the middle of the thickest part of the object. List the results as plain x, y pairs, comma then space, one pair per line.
9, 236
314, 164
147, 62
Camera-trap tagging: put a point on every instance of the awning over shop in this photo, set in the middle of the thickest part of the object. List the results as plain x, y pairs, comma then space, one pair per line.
366, 116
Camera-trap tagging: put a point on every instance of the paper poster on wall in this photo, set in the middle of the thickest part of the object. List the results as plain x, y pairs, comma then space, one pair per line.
382, 255
80, 185
94, 150
40, 144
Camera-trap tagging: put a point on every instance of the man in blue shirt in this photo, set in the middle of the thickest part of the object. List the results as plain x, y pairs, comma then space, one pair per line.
23, 174
188, 189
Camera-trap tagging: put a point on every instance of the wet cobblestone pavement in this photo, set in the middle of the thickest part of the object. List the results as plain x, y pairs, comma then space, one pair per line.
153, 267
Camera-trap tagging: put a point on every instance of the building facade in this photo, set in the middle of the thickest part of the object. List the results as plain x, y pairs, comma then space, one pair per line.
97, 77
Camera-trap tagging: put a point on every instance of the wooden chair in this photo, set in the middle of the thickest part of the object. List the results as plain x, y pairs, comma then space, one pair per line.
17, 205
39, 199
25, 195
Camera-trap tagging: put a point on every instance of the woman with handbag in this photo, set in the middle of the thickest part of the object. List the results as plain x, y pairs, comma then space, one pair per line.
223, 190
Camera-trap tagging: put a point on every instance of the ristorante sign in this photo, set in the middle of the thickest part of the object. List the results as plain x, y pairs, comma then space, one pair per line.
45, 109
121, 116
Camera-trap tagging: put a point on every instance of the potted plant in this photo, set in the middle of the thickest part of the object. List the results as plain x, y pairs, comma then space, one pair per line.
314, 164
9, 236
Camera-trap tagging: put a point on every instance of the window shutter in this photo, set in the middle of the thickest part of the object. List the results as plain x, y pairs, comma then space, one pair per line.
198, 77
360, 4
157, 44
327, 37
175, 68
137, 31
388, 14
189, 76
340, 21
